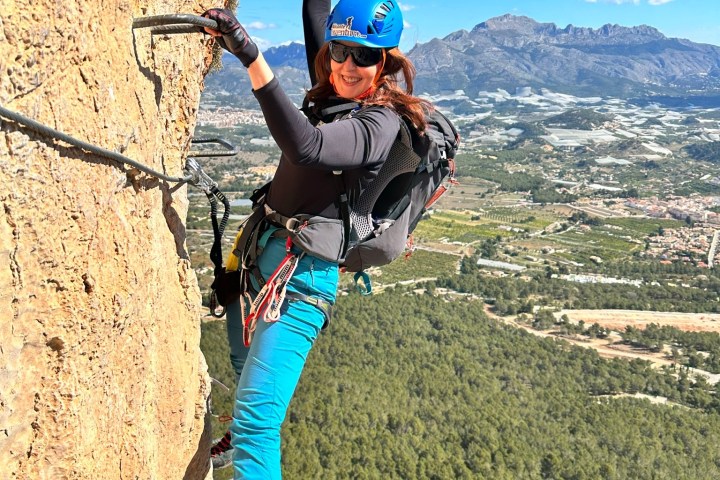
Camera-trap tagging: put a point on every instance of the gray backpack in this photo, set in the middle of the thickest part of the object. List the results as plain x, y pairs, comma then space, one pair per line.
374, 228
418, 170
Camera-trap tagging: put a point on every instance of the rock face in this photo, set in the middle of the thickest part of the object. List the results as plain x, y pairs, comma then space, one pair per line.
101, 376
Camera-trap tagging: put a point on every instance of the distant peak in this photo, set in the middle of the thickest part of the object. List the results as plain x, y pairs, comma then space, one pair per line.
609, 30
503, 22
516, 23
287, 45
528, 25
638, 30
508, 17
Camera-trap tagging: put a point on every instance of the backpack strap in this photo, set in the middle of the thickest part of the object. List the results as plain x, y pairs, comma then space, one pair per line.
344, 210
291, 224
343, 108
327, 112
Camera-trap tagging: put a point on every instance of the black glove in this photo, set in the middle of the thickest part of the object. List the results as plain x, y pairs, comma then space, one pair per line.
234, 37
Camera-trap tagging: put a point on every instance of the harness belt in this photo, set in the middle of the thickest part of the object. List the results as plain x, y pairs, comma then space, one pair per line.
324, 306
271, 294
290, 224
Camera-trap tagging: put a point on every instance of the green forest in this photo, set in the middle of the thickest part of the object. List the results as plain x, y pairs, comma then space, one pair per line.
416, 387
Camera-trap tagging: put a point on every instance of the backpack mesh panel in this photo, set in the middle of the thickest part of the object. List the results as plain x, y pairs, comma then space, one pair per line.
401, 159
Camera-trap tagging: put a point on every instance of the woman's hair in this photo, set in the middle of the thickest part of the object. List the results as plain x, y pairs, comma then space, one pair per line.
389, 93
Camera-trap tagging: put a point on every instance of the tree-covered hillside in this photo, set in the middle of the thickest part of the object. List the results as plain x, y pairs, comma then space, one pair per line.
708, 152
581, 119
515, 295
412, 387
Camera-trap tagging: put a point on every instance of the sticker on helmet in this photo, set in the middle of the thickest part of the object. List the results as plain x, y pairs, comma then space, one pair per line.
345, 30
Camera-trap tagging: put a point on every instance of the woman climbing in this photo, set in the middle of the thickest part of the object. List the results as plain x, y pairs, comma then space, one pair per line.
290, 249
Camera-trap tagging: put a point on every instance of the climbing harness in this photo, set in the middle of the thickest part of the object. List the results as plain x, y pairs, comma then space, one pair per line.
241, 279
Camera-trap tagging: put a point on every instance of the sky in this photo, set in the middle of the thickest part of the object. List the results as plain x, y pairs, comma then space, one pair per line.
274, 22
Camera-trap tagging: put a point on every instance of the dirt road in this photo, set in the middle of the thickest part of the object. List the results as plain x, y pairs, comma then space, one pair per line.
618, 319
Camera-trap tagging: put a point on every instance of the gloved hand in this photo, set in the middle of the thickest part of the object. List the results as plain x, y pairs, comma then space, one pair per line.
232, 36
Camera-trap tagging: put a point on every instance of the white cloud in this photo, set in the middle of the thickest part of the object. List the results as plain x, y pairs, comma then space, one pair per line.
407, 8
658, 2
260, 26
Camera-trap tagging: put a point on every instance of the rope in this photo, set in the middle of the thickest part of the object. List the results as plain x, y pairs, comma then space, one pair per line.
88, 147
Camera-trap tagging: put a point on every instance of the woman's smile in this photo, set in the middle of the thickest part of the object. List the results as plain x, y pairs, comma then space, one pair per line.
350, 80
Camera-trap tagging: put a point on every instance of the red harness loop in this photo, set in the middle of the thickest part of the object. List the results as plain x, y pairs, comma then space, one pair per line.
269, 300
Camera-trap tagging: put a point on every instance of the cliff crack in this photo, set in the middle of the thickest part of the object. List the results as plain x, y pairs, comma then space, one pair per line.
15, 268
22, 95
175, 223
35, 425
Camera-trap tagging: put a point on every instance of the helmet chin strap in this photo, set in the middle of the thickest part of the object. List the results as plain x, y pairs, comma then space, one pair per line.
373, 84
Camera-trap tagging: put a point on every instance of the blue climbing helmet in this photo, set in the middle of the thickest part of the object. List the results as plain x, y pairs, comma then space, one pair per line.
372, 23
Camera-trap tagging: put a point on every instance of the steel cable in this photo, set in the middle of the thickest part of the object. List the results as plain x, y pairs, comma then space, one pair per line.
88, 147
174, 23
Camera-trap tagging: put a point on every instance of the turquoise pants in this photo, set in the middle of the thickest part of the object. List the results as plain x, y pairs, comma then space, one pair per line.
270, 368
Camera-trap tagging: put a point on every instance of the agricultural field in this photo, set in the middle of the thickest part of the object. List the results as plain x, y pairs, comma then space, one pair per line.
468, 226
639, 228
530, 236
421, 265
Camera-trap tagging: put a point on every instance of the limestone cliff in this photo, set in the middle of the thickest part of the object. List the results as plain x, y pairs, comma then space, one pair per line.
101, 376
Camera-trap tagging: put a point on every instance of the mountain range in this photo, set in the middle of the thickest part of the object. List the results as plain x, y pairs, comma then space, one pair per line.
510, 52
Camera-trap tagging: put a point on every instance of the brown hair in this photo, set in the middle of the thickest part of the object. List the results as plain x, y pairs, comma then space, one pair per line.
389, 93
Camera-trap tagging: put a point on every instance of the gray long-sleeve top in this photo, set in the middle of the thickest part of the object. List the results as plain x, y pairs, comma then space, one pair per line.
304, 181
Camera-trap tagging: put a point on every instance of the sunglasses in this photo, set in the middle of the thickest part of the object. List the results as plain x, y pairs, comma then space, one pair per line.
362, 56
